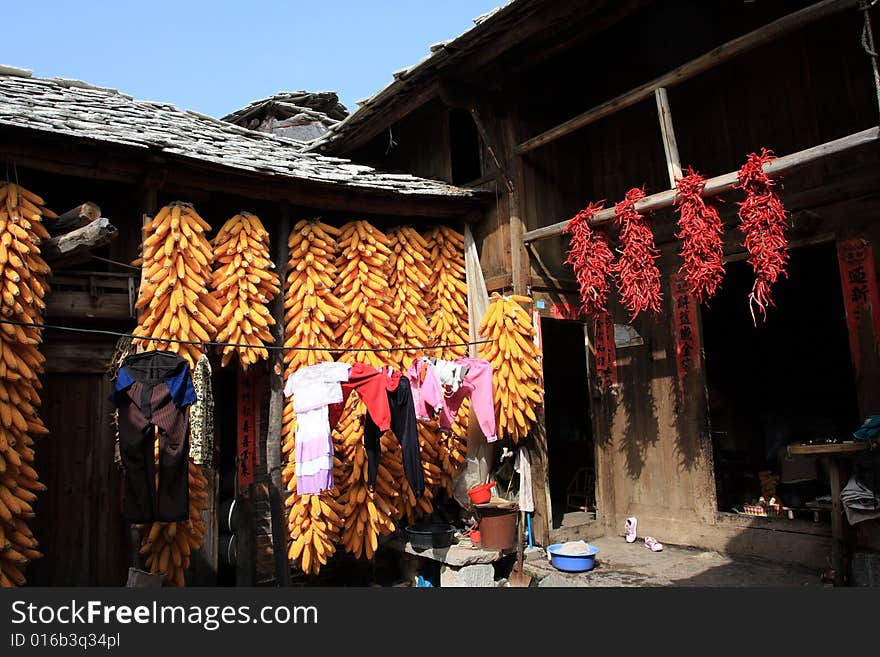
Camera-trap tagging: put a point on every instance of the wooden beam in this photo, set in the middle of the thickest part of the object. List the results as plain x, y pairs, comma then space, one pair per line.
520, 267
487, 142
77, 217
276, 409
76, 245
670, 146
720, 184
723, 53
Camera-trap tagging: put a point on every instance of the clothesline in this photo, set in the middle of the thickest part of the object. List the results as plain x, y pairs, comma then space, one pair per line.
212, 343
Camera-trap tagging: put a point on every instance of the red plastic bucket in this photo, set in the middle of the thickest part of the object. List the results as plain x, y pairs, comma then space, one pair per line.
481, 493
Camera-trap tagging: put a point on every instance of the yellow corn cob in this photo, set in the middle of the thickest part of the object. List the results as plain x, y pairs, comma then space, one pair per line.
23, 284
515, 360
174, 298
241, 249
449, 315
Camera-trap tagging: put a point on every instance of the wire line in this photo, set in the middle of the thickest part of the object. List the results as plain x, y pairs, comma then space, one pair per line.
212, 343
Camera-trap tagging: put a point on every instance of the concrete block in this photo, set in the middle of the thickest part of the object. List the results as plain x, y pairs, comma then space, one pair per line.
866, 569
477, 575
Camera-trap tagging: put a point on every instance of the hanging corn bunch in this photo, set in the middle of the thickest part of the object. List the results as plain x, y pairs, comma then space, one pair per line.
367, 515
244, 283
314, 522
364, 267
22, 287
167, 547
411, 280
311, 309
449, 312
174, 299
515, 362
311, 312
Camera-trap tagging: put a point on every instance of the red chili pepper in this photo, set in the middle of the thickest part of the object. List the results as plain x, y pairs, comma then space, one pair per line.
701, 231
638, 277
591, 258
763, 224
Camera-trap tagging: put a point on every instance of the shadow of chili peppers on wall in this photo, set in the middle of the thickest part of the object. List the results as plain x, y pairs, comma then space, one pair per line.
642, 428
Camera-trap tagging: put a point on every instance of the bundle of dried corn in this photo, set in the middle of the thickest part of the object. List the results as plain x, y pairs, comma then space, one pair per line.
515, 359
244, 283
449, 312
22, 284
174, 299
311, 312
367, 514
311, 308
411, 283
364, 267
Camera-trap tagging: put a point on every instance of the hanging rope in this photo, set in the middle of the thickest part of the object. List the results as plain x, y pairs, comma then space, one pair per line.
118, 334
868, 45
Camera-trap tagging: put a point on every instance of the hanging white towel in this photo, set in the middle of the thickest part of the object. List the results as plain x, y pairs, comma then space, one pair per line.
524, 467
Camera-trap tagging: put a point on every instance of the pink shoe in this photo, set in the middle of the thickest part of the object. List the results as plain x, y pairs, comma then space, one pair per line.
631, 529
653, 544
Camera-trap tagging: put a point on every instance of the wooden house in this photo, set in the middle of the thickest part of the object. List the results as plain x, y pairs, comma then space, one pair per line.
71, 142
552, 105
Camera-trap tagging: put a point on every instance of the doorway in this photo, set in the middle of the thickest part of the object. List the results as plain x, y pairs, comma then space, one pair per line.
570, 446
786, 380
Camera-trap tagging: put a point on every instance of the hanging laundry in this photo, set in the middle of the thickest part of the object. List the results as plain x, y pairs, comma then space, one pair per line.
313, 389
370, 385
427, 394
450, 374
201, 415
403, 424
153, 393
524, 467
477, 385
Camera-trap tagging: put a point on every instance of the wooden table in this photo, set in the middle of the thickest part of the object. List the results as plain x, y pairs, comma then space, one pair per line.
835, 453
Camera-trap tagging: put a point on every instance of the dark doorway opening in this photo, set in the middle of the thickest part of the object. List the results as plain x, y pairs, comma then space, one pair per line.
570, 445
464, 147
784, 381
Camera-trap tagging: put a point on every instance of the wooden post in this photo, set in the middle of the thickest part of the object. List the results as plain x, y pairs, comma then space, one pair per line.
519, 262
670, 147
276, 409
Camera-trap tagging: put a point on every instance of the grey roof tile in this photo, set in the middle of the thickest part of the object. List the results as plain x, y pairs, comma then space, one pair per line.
77, 109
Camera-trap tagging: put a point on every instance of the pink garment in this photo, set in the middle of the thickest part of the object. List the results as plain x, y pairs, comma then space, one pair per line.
426, 390
477, 385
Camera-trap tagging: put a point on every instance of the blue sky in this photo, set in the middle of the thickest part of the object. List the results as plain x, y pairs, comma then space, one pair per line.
215, 57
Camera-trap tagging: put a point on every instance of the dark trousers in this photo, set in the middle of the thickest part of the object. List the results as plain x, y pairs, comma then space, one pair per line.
403, 424
144, 410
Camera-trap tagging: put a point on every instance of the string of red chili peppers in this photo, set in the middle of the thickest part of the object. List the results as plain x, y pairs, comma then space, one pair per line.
763, 224
701, 231
638, 278
591, 258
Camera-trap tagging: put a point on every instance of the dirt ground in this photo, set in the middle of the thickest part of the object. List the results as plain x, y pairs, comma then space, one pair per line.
621, 564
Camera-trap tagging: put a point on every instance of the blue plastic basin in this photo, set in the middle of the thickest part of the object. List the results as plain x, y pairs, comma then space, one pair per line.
572, 563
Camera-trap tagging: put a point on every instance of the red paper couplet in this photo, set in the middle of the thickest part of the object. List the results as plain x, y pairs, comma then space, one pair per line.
606, 353
860, 296
247, 429
687, 335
